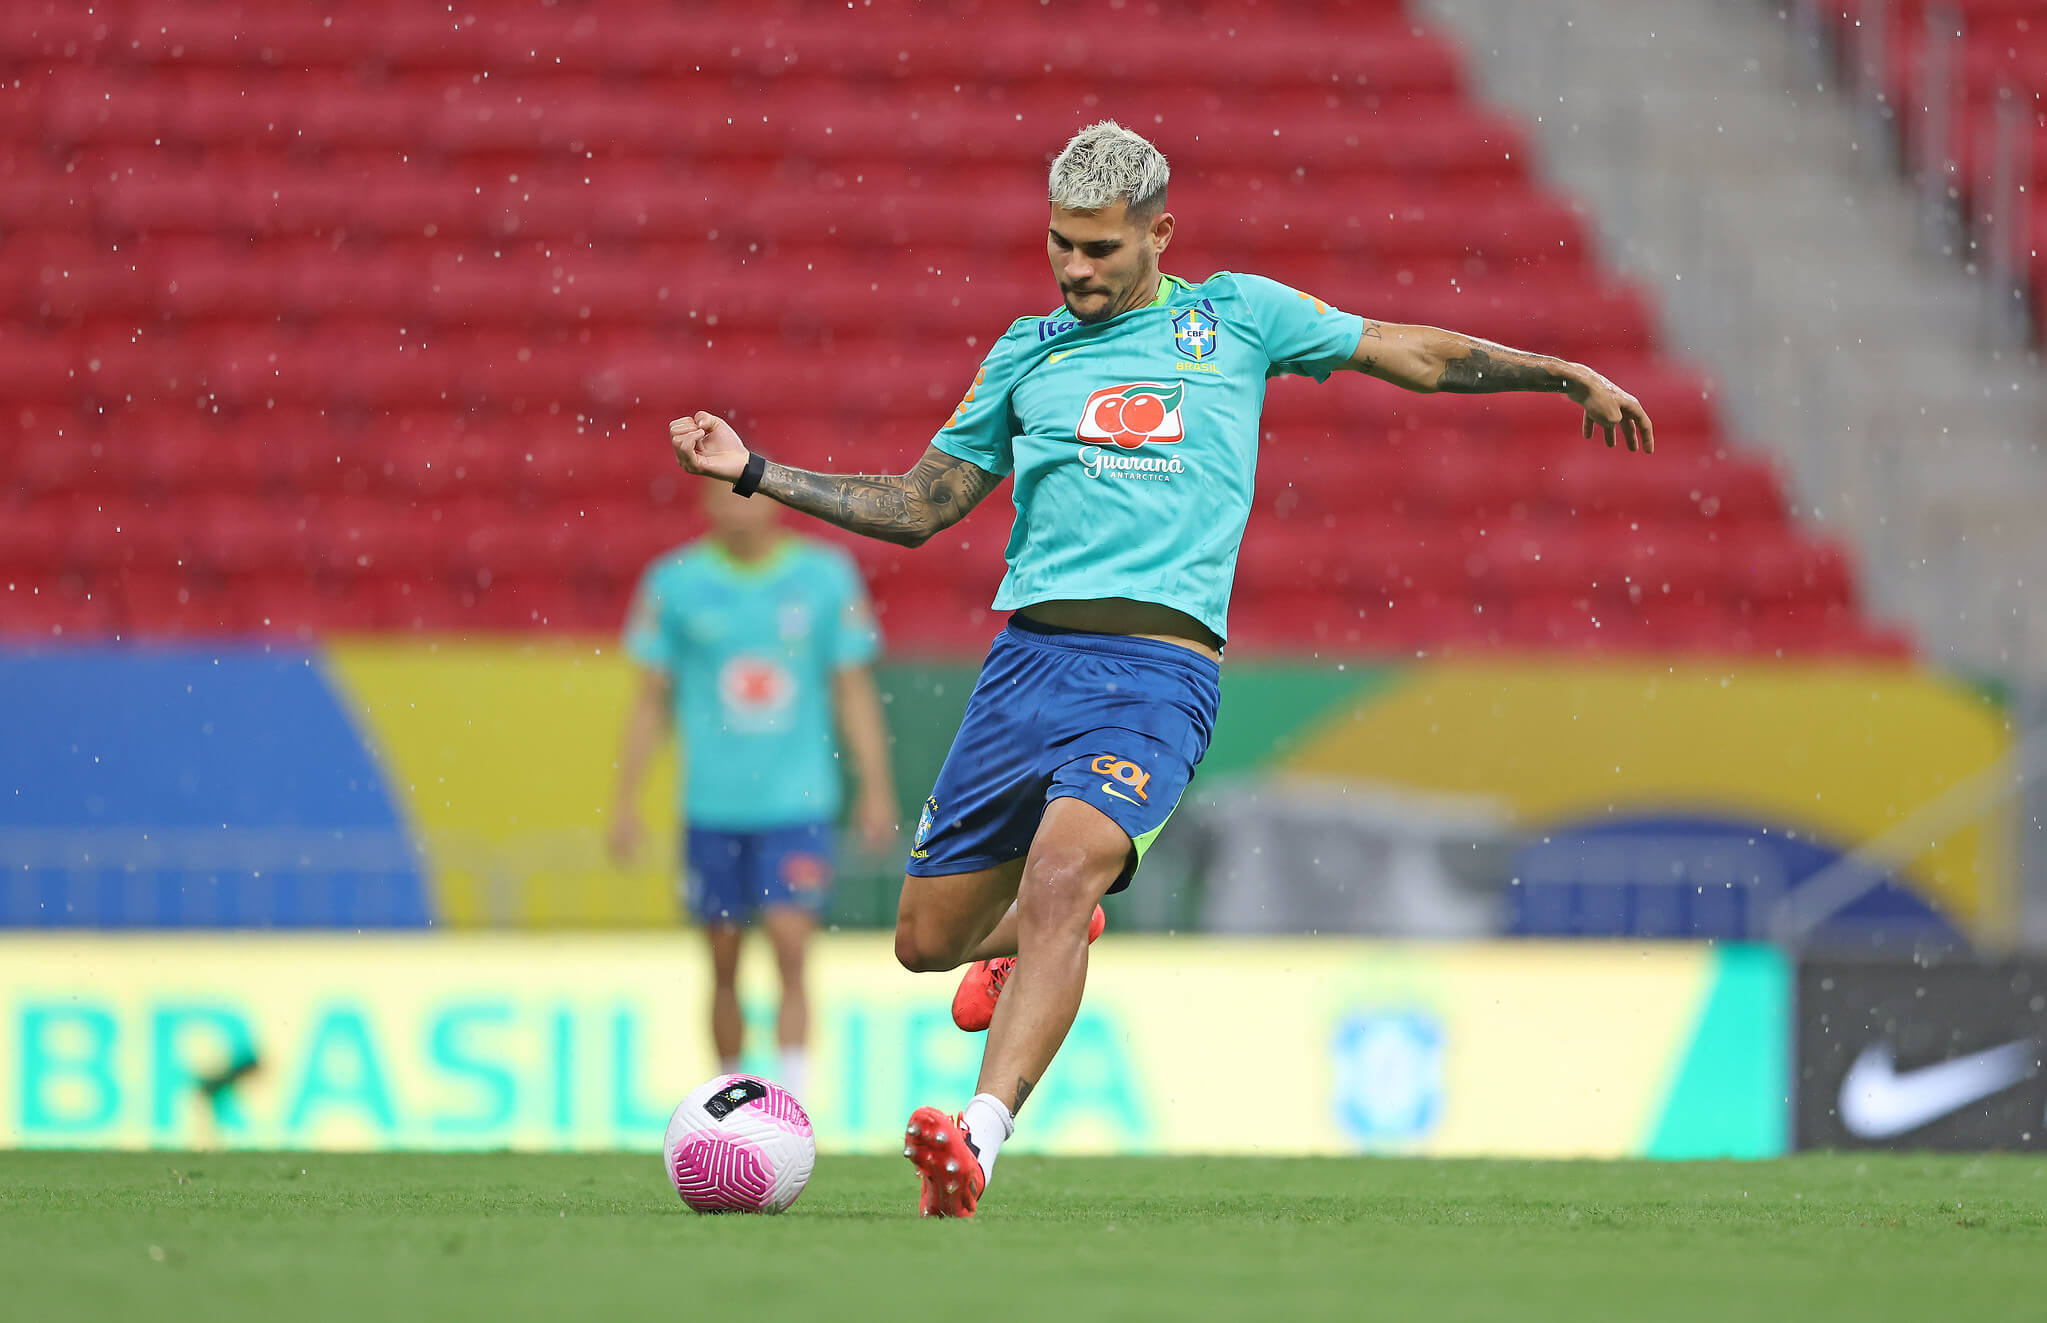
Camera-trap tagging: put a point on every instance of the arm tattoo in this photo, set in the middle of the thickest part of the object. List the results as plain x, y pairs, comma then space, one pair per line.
904, 508
1372, 332
1023, 1091
1489, 368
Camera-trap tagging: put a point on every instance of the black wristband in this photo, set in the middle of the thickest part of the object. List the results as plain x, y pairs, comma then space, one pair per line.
750, 480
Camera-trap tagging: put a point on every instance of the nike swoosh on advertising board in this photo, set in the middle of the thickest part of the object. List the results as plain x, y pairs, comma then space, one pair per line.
1878, 1102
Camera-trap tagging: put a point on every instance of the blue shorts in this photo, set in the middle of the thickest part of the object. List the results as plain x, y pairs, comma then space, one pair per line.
1116, 722
734, 874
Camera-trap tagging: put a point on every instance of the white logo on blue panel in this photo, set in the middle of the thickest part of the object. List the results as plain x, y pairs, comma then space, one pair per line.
1388, 1067
1195, 332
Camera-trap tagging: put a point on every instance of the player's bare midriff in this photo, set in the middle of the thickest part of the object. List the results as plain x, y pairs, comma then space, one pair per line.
1123, 615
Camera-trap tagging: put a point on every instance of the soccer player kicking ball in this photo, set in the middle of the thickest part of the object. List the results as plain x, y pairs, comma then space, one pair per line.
1129, 419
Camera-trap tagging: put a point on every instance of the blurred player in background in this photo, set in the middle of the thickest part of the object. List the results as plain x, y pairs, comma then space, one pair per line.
750, 641
1129, 418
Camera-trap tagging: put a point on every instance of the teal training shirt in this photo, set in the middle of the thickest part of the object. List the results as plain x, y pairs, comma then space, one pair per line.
1134, 441
750, 650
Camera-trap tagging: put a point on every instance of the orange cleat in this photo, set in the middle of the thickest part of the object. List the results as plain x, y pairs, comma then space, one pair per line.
936, 1144
973, 1006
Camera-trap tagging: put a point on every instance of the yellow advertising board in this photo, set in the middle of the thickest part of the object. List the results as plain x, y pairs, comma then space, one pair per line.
1182, 1046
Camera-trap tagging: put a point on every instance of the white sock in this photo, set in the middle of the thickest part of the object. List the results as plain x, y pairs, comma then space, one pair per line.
988, 1125
728, 1065
795, 1075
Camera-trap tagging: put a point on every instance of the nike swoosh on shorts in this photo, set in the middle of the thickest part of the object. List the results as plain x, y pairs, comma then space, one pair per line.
1877, 1102
1109, 789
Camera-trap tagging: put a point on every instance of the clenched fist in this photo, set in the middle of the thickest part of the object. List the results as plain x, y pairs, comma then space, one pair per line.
706, 444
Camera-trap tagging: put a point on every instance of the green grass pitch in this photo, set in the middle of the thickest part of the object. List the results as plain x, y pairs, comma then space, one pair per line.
301, 1237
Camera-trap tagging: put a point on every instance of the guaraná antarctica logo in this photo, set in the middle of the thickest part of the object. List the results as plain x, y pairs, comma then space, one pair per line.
1127, 417
1137, 413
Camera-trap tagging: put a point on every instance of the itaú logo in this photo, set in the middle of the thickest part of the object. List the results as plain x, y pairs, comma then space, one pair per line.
1137, 413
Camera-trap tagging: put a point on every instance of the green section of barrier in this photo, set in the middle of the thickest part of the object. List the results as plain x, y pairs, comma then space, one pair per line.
1270, 707
923, 702
1731, 1094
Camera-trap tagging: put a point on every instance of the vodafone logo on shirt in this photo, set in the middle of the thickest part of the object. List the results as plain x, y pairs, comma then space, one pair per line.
1136, 413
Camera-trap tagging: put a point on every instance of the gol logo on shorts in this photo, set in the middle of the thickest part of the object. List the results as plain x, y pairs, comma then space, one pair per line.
1123, 772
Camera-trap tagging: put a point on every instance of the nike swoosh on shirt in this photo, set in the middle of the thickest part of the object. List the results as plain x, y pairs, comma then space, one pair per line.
1878, 1102
1064, 353
1111, 790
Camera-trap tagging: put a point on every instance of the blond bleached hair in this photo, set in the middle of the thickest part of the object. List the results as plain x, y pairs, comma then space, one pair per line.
1105, 164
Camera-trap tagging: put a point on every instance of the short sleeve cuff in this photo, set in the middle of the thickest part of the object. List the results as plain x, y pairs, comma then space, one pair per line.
959, 449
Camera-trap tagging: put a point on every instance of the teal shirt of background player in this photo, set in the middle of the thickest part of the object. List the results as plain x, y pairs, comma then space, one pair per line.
750, 650
1134, 441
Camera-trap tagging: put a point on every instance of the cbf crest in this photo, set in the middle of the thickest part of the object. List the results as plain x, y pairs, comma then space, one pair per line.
1195, 333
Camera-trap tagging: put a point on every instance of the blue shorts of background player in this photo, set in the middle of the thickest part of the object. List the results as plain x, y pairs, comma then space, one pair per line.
1114, 721
733, 875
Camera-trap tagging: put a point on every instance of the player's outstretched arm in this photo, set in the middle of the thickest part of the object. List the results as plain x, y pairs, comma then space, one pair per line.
904, 508
1424, 358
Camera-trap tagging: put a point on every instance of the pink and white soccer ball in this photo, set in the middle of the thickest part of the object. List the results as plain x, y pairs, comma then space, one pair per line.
739, 1144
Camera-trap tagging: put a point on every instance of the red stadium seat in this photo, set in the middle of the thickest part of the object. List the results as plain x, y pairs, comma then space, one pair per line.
177, 453
33, 198
409, 604
289, 608
626, 539
1557, 560
37, 369
358, 539
113, 532
170, 605
1779, 569
1657, 577
42, 30
1464, 482
920, 618
241, 535
64, 463
537, 602
1339, 624
48, 609
32, 537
